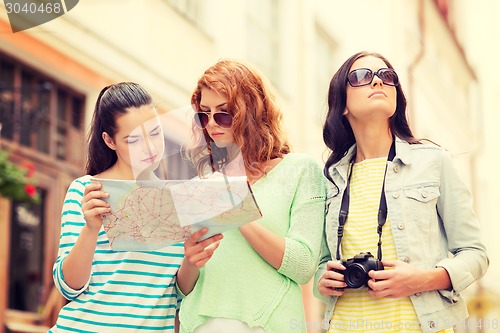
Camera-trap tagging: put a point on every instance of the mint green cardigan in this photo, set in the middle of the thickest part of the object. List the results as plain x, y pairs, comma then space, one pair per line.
237, 283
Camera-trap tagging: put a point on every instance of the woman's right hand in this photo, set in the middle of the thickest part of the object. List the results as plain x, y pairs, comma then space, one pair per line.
197, 252
332, 282
77, 266
196, 255
93, 206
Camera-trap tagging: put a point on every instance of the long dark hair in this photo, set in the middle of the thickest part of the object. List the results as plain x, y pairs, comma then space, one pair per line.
113, 101
337, 132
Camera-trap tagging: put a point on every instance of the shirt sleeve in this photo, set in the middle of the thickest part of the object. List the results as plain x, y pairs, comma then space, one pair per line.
469, 260
72, 222
180, 295
307, 214
325, 256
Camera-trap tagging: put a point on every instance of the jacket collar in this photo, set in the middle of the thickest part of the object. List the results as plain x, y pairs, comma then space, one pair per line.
403, 154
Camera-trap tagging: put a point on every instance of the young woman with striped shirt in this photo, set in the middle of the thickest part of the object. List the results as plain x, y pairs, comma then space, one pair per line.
111, 291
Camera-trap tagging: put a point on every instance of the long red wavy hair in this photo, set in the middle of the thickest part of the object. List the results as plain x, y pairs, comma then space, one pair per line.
257, 127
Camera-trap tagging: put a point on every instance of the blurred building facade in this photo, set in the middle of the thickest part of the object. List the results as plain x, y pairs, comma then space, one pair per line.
50, 77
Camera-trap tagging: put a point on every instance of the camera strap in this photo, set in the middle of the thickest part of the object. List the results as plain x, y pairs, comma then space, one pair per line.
382, 209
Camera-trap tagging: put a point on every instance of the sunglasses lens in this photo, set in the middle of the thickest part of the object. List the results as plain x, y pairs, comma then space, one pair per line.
360, 77
201, 119
389, 77
364, 76
223, 119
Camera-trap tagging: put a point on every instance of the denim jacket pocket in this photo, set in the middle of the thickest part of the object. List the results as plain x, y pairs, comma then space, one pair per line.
422, 204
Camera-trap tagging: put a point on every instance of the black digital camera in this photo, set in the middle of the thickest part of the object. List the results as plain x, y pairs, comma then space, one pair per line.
357, 268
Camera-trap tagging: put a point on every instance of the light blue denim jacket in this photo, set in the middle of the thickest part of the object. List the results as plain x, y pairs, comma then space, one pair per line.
432, 222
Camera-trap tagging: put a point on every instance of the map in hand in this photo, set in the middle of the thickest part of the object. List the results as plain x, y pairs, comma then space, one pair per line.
150, 214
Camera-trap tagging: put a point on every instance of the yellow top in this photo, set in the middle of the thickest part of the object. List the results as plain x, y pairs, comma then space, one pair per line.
356, 310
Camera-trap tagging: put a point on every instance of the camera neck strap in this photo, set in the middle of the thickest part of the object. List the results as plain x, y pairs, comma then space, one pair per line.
382, 209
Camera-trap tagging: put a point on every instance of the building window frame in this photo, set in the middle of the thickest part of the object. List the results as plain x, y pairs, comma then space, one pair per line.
32, 114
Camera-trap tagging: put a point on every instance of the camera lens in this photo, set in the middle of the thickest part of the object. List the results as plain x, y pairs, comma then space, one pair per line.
355, 276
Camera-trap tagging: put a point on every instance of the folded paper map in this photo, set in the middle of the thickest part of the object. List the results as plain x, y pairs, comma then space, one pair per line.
148, 215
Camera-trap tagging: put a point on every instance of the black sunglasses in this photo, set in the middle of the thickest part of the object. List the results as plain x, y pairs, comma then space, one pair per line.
364, 76
223, 119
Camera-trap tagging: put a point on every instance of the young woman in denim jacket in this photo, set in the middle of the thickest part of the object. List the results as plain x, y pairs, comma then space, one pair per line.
430, 243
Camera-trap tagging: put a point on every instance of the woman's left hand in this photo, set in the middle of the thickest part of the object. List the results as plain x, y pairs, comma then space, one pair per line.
398, 279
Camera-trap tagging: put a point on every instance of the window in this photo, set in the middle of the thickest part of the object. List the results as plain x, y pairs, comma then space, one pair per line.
39, 113
6, 99
262, 37
61, 132
43, 121
26, 255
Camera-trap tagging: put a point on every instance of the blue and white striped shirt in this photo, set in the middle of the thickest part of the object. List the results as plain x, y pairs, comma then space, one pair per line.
126, 292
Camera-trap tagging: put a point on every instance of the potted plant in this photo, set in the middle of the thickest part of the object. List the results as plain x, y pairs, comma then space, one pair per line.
17, 181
